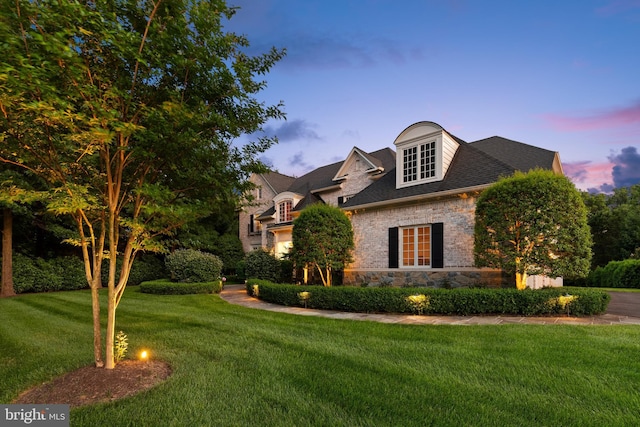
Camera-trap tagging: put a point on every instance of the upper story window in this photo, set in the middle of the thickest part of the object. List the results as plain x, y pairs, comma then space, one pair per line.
419, 162
259, 193
284, 211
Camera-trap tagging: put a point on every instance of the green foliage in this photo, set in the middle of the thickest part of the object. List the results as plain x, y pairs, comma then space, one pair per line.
40, 275
616, 274
323, 237
615, 224
146, 267
229, 249
120, 346
167, 287
188, 265
260, 264
533, 223
460, 301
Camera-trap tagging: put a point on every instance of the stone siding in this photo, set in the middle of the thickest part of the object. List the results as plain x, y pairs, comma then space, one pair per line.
435, 278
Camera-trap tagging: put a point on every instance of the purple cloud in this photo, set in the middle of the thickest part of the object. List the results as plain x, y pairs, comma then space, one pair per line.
618, 6
626, 169
297, 161
607, 119
293, 130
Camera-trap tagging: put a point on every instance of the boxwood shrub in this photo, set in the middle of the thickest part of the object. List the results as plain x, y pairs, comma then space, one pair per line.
461, 301
167, 287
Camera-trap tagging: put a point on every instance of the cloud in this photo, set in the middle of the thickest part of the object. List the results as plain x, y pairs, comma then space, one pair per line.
297, 161
626, 169
293, 130
618, 6
606, 119
590, 176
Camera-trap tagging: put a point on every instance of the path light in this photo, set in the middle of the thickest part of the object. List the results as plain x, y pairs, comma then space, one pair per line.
144, 355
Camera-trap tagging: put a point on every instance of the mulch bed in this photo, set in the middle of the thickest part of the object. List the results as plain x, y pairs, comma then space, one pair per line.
90, 385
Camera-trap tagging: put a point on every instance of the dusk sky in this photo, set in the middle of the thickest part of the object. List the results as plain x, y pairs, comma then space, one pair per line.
559, 74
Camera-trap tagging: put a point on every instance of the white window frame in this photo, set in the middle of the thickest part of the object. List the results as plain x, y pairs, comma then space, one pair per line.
417, 261
419, 161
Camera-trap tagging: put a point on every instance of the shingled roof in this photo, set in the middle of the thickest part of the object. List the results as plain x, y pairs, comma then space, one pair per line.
475, 164
322, 177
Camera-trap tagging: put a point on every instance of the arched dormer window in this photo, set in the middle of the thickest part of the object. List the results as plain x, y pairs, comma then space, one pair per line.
284, 210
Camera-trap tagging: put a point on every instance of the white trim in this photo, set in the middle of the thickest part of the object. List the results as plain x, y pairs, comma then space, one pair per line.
419, 197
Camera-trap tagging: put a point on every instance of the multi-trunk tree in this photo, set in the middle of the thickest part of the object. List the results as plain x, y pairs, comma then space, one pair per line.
128, 110
322, 238
533, 223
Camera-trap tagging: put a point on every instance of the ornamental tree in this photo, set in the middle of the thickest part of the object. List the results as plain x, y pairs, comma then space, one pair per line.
128, 111
533, 223
322, 237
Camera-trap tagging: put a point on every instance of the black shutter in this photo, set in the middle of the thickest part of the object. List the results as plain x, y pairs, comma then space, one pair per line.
251, 224
393, 247
340, 200
437, 245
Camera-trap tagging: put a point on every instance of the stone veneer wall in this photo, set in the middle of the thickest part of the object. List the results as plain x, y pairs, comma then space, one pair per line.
436, 278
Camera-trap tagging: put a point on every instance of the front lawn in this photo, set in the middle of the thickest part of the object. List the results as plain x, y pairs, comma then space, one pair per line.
235, 366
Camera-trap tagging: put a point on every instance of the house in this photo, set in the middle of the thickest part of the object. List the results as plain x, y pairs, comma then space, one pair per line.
412, 209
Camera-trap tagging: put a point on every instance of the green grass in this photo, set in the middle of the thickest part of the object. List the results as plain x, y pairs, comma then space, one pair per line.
235, 366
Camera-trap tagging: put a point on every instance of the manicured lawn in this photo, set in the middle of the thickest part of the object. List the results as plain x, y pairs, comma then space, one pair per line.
235, 366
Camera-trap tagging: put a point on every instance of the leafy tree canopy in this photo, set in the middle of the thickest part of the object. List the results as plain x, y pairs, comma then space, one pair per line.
322, 237
128, 110
533, 223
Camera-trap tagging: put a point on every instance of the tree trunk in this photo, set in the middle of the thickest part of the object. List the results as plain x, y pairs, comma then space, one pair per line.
521, 281
7, 254
97, 338
111, 329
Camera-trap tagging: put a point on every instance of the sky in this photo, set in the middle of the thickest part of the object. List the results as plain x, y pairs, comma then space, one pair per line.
558, 74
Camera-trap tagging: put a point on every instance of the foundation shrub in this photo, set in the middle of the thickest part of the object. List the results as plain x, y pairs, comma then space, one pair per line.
167, 287
463, 302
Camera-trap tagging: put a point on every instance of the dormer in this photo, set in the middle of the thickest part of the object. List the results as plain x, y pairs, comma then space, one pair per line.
284, 204
424, 152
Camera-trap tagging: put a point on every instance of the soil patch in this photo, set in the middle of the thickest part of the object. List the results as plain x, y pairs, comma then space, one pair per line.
90, 385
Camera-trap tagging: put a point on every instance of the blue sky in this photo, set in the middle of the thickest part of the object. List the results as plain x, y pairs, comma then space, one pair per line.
558, 74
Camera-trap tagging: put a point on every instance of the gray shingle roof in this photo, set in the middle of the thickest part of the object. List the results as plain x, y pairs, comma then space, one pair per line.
523, 157
322, 177
278, 181
475, 164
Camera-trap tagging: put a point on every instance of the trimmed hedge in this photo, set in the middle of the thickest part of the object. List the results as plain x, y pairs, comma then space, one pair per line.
616, 274
167, 287
461, 301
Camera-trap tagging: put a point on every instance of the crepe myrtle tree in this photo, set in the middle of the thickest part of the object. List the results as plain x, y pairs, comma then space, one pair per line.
323, 238
533, 223
129, 110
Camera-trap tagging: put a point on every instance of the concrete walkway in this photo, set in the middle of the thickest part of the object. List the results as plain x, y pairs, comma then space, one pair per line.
236, 294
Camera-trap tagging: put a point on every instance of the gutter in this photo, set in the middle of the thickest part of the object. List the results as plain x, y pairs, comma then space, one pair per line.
417, 197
